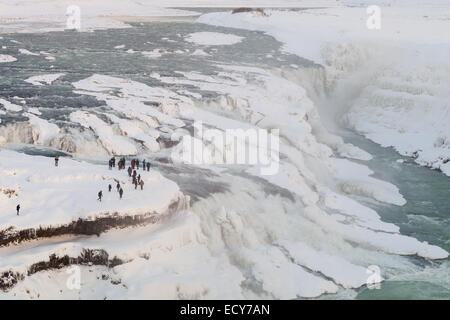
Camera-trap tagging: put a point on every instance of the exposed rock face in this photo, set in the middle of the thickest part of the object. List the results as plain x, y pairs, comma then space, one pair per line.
91, 227
258, 11
9, 278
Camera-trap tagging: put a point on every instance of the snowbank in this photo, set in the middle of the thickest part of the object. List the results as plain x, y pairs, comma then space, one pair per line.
6, 58
213, 38
370, 71
44, 79
52, 196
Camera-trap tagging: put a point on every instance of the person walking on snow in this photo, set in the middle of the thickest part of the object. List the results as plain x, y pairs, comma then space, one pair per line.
120, 193
143, 164
135, 184
141, 183
137, 163
130, 171
118, 186
109, 188
139, 178
100, 195
148, 166
18, 209
56, 161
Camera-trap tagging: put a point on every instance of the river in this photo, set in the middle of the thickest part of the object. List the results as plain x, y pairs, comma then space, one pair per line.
79, 55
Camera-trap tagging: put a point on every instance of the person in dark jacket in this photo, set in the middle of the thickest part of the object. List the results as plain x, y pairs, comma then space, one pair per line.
100, 195
141, 183
118, 186
120, 193
130, 171
56, 161
139, 178
109, 188
148, 166
18, 209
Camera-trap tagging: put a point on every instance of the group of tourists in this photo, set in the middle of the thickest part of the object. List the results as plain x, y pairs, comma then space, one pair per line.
120, 163
132, 173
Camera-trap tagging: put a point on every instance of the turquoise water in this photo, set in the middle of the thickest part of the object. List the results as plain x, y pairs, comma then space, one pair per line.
425, 216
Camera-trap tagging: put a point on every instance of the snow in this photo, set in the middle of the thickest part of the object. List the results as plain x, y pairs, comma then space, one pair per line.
6, 58
213, 38
27, 52
44, 79
10, 106
52, 196
298, 232
113, 143
99, 14
392, 103
43, 131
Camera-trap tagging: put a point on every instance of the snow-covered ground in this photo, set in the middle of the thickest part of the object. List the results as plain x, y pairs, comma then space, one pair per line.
296, 233
213, 38
390, 84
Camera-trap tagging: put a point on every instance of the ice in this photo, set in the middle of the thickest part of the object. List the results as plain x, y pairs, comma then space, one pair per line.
390, 102
43, 131
213, 38
296, 233
10, 106
27, 52
44, 79
6, 58
52, 196
113, 143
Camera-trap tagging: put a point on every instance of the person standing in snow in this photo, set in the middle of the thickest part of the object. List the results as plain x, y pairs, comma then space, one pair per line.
143, 164
56, 161
141, 183
137, 163
113, 160
130, 171
148, 166
120, 193
18, 209
118, 186
109, 188
134, 174
139, 178
135, 184
133, 163
100, 195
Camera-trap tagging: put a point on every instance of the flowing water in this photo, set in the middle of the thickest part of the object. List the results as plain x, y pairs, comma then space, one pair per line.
426, 216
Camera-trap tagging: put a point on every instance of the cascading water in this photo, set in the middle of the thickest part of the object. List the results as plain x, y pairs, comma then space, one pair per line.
301, 233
